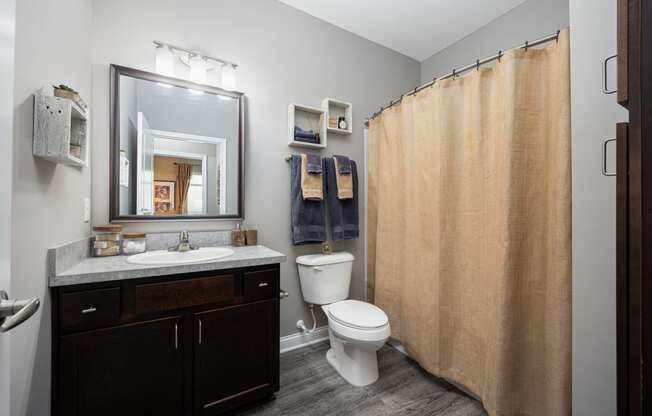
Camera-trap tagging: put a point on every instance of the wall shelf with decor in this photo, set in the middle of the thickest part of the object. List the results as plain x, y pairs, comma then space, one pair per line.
336, 109
307, 127
60, 130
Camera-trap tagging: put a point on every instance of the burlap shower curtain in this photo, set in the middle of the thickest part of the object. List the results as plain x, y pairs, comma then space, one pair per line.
469, 229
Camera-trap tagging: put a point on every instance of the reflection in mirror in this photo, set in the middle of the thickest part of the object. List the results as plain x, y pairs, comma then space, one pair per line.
179, 149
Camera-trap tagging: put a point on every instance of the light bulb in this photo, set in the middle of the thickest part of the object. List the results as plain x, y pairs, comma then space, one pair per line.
164, 61
228, 78
197, 69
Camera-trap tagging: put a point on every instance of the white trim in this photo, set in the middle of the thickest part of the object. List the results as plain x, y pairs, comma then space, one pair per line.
300, 340
221, 156
192, 156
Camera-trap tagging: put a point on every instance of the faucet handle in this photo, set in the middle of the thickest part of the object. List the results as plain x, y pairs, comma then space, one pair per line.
183, 236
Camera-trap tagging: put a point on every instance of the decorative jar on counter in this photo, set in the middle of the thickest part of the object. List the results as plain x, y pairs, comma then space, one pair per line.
107, 240
134, 243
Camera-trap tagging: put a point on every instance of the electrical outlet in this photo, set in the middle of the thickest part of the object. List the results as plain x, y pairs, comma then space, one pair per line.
87, 210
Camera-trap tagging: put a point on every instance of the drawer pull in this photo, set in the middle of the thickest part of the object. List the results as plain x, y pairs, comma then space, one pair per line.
605, 76
263, 284
176, 336
89, 310
199, 332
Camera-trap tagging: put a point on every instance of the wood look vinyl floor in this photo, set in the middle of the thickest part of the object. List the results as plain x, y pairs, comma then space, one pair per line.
311, 387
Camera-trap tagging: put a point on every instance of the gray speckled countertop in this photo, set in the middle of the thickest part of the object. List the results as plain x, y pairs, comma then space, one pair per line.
105, 269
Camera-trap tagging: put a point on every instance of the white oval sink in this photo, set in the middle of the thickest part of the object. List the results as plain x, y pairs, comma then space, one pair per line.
164, 257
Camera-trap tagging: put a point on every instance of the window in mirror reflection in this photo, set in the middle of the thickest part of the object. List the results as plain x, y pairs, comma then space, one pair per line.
180, 149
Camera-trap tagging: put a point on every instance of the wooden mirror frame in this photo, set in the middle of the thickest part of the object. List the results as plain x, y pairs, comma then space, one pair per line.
114, 153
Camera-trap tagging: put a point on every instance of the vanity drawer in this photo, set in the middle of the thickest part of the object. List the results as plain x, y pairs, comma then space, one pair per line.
89, 309
178, 294
260, 284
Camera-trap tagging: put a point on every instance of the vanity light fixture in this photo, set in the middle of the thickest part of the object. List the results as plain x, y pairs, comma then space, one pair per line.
197, 69
228, 77
199, 64
164, 60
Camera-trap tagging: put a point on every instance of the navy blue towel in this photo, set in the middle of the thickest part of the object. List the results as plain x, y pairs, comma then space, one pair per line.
343, 164
308, 216
304, 134
343, 212
314, 164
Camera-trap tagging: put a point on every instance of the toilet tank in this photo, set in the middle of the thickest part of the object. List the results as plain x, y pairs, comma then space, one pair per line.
325, 278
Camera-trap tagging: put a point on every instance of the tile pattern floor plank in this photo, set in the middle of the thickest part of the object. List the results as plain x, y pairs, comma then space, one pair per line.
311, 387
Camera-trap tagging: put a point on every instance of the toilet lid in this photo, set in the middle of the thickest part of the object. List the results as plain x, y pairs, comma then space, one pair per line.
356, 314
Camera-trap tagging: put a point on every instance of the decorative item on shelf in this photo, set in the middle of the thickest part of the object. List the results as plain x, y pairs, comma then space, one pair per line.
75, 150
238, 236
332, 122
107, 240
64, 91
251, 237
341, 124
134, 243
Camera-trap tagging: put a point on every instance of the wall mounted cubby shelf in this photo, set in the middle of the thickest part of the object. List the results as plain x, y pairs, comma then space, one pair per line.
336, 108
316, 119
307, 118
60, 130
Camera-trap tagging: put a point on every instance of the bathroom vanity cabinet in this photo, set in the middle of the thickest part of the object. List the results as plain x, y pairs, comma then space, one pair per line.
193, 344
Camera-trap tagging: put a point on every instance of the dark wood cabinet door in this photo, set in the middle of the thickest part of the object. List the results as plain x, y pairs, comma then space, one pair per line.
236, 356
134, 369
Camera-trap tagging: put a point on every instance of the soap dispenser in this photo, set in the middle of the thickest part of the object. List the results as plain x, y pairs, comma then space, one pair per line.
238, 236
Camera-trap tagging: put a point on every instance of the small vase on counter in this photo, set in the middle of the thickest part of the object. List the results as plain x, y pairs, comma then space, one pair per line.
238, 237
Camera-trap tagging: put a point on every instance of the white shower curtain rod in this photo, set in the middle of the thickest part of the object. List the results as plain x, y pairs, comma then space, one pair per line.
457, 72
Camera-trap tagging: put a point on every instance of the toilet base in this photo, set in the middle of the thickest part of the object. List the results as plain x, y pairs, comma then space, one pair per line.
356, 363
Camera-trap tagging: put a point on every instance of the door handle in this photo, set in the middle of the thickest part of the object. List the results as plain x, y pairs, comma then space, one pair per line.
605, 172
14, 312
605, 76
199, 331
176, 336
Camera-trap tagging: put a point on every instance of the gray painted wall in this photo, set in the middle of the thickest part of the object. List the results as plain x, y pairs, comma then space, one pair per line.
285, 56
529, 21
47, 198
594, 118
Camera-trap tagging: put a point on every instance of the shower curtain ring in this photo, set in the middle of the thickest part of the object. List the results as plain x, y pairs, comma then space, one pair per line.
454, 73
527, 44
477, 64
500, 55
557, 38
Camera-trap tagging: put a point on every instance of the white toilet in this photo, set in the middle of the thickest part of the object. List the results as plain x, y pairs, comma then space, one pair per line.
356, 329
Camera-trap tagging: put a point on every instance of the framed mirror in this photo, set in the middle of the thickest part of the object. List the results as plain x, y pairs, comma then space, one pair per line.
176, 149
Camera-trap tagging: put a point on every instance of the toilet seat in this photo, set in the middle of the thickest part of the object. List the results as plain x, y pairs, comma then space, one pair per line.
358, 315
357, 321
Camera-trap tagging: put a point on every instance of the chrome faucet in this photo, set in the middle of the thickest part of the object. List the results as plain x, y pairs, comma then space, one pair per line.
184, 245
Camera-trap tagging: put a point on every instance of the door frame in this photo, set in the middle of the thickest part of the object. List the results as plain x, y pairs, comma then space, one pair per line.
7, 47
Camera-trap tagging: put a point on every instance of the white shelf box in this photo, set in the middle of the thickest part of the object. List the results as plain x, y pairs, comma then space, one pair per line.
336, 108
307, 118
59, 125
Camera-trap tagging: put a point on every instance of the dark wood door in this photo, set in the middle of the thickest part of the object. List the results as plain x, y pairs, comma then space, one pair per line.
634, 209
236, 356
134, 369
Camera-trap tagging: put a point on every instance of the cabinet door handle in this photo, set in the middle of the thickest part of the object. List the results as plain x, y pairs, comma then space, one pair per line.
605, 76
605, 172
176, 336
89, 310
199, 335
263, 284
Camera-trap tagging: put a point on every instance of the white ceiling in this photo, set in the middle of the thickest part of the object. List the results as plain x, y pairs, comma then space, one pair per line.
416, 28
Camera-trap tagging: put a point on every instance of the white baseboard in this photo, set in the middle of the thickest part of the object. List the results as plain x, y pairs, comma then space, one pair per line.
298, 340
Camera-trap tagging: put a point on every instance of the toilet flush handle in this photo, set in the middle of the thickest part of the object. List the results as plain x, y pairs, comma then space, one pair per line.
318, 269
